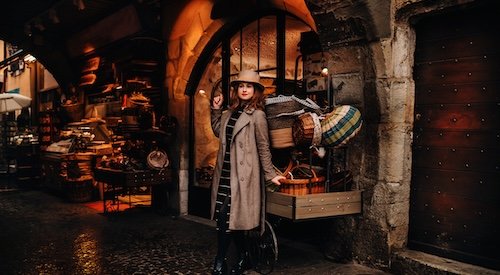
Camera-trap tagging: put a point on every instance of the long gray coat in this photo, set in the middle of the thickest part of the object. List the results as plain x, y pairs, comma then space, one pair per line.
251, 165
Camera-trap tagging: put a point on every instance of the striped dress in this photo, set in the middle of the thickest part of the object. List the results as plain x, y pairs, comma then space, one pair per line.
223, 201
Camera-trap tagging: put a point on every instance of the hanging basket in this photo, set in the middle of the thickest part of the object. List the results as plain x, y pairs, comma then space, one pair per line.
340, 125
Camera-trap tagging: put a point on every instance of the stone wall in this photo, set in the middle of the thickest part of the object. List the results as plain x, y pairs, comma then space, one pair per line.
371, 47
188, 29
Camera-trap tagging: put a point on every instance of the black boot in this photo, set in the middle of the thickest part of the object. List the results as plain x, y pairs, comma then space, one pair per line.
241, 265
220, 267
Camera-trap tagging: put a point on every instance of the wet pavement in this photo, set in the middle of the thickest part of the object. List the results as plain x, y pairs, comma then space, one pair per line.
41, 233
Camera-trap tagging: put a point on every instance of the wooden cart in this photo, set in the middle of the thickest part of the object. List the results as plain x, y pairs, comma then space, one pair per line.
303, 207
309, 206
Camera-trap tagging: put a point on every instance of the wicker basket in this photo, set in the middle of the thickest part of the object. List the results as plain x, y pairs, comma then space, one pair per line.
281, 112
78, 189
307, 130
308, 183
78, 164
340, 125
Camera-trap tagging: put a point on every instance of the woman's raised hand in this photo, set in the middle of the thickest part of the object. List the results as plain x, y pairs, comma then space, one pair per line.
217, 101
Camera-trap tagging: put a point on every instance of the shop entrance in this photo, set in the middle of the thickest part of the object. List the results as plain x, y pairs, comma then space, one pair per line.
455, 191
269, 45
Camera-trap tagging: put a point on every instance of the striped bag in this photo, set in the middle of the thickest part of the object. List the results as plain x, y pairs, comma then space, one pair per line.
340, 125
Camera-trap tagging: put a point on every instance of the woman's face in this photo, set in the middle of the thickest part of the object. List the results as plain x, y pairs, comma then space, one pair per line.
245, 91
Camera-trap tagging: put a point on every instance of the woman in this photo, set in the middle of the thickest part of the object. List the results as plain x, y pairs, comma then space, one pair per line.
243, 165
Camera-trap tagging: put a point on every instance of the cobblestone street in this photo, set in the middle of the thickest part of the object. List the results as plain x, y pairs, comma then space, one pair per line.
43, 234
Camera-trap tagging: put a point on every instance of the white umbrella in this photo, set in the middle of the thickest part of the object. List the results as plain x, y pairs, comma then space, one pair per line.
12, 102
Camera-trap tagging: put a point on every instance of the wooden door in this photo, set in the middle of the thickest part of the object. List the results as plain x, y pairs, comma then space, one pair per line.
455, 188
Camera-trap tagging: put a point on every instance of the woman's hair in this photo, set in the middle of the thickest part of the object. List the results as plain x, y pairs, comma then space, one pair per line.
257, 101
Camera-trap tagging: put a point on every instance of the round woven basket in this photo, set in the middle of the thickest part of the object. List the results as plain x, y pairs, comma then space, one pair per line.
340, 125
307, 130
280, 114
302, 180
79, 189
280, 118
281, 138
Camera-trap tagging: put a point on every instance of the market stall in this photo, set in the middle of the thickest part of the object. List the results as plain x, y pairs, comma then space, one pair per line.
105, 131
319, 183
104, 158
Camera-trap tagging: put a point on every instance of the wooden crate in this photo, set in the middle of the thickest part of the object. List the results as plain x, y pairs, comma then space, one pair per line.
322, 205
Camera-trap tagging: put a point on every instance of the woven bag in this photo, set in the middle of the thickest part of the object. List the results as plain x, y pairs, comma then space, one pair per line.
281, 112
302, 180
340, 125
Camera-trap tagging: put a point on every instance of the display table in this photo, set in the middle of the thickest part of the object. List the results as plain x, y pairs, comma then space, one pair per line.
69, 175
119, 183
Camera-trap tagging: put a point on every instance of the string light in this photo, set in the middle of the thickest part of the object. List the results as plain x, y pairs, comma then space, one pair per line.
29, 58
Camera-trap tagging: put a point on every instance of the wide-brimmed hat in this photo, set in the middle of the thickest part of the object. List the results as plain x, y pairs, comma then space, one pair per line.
248, 76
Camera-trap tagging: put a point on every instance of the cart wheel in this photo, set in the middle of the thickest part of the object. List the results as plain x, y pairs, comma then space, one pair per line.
263, 250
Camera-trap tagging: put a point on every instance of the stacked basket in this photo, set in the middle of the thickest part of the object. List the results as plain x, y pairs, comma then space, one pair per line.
332, 130
78, 180
281, 112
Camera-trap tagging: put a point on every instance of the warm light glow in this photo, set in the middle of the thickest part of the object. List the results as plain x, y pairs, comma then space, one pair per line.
86, 251
88, 48
195, 11
324, 72
202, 92
29, 58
